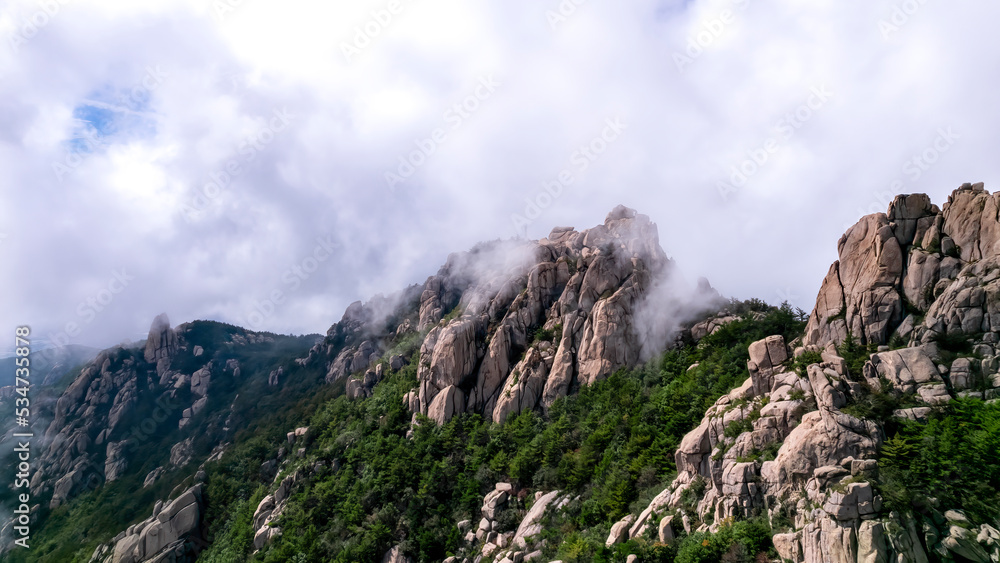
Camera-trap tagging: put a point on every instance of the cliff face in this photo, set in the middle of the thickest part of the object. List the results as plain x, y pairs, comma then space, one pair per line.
915, 277
508, 327
583, 288
915, 273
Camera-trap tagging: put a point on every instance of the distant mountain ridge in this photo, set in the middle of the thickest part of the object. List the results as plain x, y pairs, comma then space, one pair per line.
49, 363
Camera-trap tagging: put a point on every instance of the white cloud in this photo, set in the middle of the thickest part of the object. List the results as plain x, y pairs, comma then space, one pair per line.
324, 173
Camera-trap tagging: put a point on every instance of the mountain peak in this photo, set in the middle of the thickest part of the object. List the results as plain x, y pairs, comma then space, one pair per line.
162, 342
620, 212
896, 267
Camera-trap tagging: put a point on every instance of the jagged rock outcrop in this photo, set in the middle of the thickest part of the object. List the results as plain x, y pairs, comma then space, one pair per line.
352, 360
711, 325
915, 260
515, 325
451, 354
508, 327
172, 533
269, 510
162, 342
181, 452
90, 411
529, 329
191, 412
361, 387
823, 456
116, 462
355, 343
511, 545
274, 378
152, 476
395, 555
201, 380
524, 388
820, 476
860, 294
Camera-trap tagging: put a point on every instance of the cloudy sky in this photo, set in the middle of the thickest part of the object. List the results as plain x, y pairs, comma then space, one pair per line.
196, 156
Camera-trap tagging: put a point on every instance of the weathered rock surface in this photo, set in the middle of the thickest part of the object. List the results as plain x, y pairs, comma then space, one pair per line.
446, 404
362, 387
812, 445
512, 545
165, 536
860, 295
395, 555
711, 326
180, 454
510, 326
528, 329
619, 531
269, 510
116, 461
943, 263
161, 344
531, 524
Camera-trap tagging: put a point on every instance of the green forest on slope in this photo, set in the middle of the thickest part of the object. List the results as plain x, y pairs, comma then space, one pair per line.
612, 444
367, 487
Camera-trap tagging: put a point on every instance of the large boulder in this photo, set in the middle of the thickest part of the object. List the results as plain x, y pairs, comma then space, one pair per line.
906, 369
159, 537
971, 221
201, 380
116, 461
619, 530
162, 342
859, 296
446, 404
822, 438
531, 523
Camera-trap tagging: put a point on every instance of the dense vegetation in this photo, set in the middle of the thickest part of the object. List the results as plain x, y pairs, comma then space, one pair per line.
368, 485
611, 444
951, 461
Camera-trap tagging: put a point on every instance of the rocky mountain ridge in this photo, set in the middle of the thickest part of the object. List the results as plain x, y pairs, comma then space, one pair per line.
489, 327
97, 420
902, 278
501, 340
904, 320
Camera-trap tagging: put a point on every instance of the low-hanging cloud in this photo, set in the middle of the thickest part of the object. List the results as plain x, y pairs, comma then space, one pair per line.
143, 108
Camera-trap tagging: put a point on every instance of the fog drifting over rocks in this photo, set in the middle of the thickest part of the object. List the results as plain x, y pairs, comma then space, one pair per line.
234, 164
